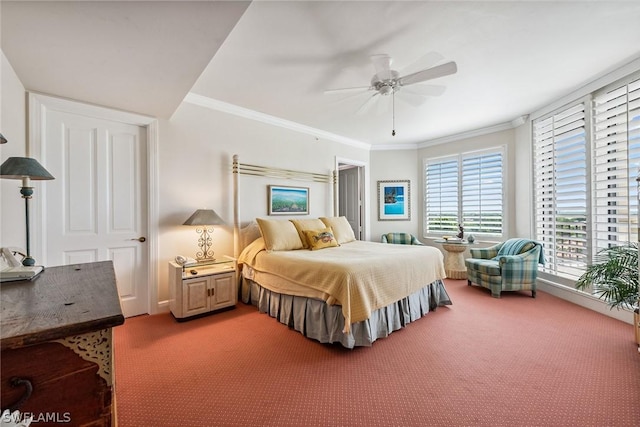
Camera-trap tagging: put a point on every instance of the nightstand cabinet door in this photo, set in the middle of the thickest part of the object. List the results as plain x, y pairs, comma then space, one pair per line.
223, 294
195, 296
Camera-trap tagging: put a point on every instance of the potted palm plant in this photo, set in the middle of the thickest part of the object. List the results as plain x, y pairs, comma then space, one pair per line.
614, 278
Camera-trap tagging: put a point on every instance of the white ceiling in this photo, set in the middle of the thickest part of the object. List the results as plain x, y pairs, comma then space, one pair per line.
513, 57
142, 57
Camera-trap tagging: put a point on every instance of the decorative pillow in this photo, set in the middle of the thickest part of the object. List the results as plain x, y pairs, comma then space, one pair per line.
303, 225
279, 235
341, 228
320, 239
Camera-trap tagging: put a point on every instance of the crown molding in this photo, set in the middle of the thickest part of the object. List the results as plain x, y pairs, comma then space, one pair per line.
518, 121
387, 147
214, 104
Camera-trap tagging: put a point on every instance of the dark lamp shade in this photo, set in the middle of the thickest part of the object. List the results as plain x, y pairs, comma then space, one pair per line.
204, 217
23, 167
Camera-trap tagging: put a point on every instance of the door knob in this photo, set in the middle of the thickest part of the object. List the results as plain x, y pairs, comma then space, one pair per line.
141, 239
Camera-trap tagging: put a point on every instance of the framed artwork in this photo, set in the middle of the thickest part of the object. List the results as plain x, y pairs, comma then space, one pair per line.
284, 200
394, 200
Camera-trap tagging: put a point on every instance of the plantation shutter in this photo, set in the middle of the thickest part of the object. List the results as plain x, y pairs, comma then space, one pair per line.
482, 193
560, 155
441, 196
616, 120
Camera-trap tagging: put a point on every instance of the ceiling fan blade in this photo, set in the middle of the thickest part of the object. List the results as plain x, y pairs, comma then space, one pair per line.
353, 99
383, 105
426, 61
429, 73
382, 64
413, 99
425, 90
367, 105
347, 90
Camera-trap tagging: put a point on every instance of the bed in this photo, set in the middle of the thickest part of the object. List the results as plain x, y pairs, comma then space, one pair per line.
322, 298
342, 291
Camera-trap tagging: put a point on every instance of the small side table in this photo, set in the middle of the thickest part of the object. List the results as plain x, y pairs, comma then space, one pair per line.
454, 258
202, 288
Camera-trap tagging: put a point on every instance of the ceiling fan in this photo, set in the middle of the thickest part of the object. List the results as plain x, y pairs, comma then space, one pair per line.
387, 81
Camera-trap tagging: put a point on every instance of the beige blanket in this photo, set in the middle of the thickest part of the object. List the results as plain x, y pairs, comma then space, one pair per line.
359, 276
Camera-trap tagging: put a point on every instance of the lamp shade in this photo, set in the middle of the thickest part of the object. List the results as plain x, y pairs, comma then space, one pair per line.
3, 140
204, 217
23, 167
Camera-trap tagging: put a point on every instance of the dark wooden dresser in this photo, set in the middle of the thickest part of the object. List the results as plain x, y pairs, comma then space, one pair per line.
57, 348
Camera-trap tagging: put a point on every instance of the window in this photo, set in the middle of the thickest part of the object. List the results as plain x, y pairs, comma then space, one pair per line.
482, 193
616, 138
560, 182
441, 196
586, 194
465, 189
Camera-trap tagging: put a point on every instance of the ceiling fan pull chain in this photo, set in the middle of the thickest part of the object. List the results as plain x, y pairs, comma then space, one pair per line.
393, 113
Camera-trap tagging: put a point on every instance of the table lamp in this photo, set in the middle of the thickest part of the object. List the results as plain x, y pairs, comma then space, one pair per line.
204, 219
26, 169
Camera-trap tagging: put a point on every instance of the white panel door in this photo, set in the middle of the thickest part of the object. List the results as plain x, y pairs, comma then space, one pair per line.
96, 207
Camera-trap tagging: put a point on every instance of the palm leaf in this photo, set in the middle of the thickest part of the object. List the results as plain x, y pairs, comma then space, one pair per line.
613, 276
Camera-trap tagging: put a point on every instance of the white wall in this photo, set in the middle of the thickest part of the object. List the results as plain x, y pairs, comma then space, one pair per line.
196, 149
522, 182
395, 165
12, 126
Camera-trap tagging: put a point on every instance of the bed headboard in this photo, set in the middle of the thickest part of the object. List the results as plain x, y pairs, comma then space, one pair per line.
243, 235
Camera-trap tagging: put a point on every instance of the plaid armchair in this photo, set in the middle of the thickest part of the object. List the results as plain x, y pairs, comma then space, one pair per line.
400, 239
507, 266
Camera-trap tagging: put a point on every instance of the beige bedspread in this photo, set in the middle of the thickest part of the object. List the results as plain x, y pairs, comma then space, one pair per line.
359, 276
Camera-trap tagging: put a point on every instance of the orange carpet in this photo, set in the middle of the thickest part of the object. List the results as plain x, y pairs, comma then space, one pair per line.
514, 361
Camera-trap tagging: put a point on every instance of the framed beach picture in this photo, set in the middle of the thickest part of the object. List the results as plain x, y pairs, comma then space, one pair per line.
394, 200
284, 200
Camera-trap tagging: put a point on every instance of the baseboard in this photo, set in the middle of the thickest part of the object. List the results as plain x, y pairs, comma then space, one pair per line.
162, 307
584, 300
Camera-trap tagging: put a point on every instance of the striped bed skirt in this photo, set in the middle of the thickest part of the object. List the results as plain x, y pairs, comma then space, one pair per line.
317, 320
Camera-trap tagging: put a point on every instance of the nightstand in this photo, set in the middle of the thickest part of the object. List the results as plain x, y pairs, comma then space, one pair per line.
202, 288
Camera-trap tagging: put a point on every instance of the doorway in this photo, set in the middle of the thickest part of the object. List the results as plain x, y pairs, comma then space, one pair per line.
97, 208
351, 195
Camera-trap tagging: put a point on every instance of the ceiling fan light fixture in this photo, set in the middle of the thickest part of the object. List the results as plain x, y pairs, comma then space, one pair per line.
386, 89
387, 82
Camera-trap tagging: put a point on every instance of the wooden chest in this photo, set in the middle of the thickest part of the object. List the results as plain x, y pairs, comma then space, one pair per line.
57, 348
